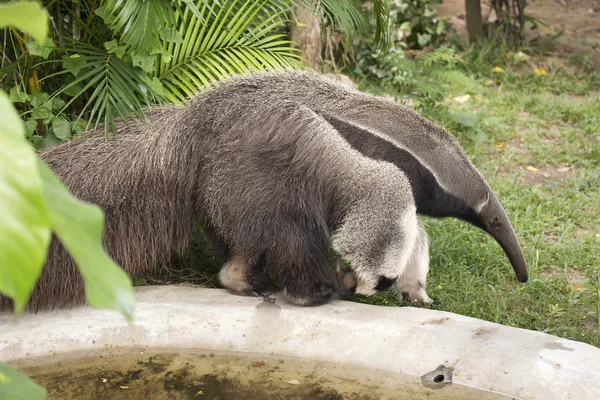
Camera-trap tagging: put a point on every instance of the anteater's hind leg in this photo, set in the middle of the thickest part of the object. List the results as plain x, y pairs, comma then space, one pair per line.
244, 276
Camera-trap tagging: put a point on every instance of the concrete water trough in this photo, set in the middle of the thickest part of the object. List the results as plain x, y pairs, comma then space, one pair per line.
194, 339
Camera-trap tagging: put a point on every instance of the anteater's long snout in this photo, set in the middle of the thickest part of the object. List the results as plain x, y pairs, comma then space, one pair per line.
493, 220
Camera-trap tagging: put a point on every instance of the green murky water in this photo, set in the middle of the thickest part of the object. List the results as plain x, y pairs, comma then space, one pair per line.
201, 375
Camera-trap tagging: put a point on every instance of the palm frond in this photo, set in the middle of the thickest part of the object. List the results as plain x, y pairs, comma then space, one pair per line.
350, 19
139, 22
383, 24
110, 87
223, 41
459, 81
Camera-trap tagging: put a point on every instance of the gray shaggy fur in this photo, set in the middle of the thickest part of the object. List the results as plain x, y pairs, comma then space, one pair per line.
272, 166
264, 173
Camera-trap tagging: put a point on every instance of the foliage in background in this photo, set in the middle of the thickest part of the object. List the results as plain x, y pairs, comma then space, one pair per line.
424, 80
350, 19
416, 25
104, 63
511, 18
402, 72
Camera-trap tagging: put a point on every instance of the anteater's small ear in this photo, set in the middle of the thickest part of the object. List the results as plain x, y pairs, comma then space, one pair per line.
482, 202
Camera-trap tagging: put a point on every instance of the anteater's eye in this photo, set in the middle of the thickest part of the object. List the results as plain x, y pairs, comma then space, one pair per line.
495, 223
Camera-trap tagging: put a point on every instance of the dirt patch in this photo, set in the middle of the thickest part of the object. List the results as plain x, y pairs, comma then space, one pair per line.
538, 175
577, 19
574, 276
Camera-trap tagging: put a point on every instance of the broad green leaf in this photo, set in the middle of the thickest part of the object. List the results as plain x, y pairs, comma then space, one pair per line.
50, 140
23, 215
79, 126
30, 126
71, 89
16, 95
467, 119
113, 47
104, 14
61, 128
79, 227
73, 64
41, 50
16, 386
440, 26
144, 61
423, 39
26, 16
492, 121
57, 103
478, 136
155, 84
38, 98
38, 142
171, 35
41, 112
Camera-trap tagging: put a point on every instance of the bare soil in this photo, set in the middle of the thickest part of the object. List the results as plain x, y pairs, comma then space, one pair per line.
578, 20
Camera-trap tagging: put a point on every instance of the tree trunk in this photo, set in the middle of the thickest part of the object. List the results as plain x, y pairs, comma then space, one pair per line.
306, 34
474, 20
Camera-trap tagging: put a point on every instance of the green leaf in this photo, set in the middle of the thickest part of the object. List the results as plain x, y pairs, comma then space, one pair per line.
79, 126
37, 142
171, 35
467, 119
26, 16
431, 89
155, 84
24, 219
459, 82
38, 98
57, 104
478, 136
16, 386
61, 128
491, 121
144, 61
50, 140
441, 25
79, 227
41, 112
30, 126
113, 47
16, 95
71, 89
73, 64
103, 13
41, 50
109, 87
424, 39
